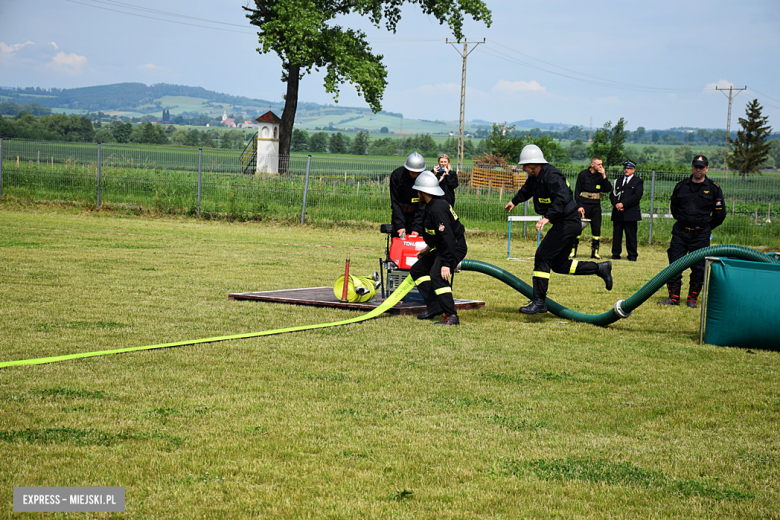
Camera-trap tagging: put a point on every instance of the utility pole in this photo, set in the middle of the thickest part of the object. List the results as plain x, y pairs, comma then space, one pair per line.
464, 54
728, 123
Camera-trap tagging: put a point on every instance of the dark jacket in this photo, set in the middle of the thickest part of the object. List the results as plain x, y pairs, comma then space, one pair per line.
405, 202
448, 183
442, 229
629, 194
551, 194
698, 205
588, 182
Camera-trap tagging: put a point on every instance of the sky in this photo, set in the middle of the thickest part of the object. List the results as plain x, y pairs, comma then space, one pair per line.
656, 64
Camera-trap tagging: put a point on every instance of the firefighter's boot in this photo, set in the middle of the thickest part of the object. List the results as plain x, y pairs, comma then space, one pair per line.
575, 245
537, 305
605, 273
431, 311
451, 319
594, 249
674, 294
693, 296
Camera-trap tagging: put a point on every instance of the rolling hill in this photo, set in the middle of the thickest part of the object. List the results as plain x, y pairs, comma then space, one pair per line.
138, 99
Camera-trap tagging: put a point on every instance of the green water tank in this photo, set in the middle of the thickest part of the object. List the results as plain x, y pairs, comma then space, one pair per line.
743, 305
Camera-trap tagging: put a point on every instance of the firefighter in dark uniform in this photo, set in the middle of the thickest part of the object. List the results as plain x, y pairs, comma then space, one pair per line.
445, 248
626, 213
698, 206
404, 200
553, 201
591, 184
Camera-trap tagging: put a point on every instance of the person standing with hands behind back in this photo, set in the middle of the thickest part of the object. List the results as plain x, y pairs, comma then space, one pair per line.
626, 214
698, 206
448, 179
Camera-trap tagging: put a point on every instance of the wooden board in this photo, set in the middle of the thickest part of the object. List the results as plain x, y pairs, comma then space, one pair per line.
324, 297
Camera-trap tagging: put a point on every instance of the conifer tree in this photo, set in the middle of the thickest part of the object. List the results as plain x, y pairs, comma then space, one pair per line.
751, 146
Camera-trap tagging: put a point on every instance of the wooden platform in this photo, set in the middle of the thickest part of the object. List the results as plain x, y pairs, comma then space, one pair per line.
324, 297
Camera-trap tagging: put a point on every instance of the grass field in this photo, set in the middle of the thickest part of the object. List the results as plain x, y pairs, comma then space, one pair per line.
507, 416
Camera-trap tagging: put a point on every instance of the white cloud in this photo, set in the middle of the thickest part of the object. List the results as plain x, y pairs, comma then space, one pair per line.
56, 47
722, 83
70, 63
11, 49
511, 87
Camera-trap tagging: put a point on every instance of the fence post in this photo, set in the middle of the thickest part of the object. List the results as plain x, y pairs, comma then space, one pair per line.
306, 188
652, 199
1, 167
200, 170
98, 178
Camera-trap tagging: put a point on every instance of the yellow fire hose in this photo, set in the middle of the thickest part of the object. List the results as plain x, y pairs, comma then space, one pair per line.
394, 298
359, 288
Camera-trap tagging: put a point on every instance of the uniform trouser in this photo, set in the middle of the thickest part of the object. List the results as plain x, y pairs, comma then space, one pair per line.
426, 273
593, 212
630, 228
408, 222
553, 254
684, 242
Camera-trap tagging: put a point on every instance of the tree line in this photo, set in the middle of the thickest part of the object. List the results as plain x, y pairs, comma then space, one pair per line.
59, 127
753, 147
364, 144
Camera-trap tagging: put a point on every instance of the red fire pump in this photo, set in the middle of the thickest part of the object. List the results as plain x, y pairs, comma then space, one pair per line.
401, 256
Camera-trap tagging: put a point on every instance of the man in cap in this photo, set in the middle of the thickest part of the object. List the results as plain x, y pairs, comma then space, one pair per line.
592, 184
404, 200
553, 201
698, 206
626, 213
445, 248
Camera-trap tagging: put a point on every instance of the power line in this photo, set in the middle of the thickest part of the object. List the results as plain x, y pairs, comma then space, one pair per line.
122, 5
162, 19
594, 81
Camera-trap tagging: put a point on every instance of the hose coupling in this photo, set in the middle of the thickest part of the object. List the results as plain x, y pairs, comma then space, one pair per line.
619, 310
459, 267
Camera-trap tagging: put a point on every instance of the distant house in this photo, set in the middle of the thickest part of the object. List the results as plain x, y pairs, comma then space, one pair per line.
228, 121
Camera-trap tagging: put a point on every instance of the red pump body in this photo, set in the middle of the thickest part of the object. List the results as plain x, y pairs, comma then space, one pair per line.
403, 251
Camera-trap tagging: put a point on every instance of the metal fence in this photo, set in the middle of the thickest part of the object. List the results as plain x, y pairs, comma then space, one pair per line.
326, 189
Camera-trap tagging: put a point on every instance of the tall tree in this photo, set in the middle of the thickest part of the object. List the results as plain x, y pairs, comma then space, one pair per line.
337, 144
639, 135
304, 35
360, 144
318, 143
300, 140
600, 143
609, 143
751, 146
617, 139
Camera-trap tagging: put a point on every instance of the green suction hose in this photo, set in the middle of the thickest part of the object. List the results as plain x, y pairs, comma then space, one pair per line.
623, 308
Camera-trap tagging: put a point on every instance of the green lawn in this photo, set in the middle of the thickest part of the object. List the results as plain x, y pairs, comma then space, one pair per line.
507, 416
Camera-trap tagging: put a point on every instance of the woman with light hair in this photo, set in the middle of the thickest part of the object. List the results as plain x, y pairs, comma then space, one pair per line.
448, 179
